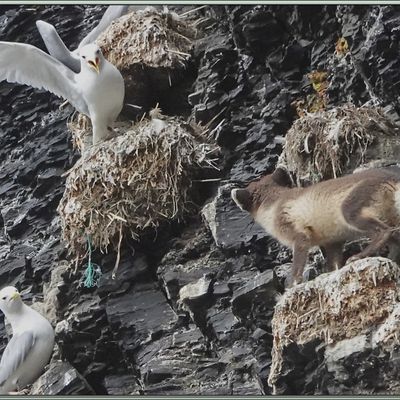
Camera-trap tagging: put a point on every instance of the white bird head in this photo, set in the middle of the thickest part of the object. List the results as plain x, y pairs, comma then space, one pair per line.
91, 56
10, 300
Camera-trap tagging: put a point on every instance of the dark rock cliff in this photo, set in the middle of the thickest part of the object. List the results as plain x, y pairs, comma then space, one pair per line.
190, 310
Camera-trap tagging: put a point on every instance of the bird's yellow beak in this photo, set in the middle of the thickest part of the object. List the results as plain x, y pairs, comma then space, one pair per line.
15, 296
95, 65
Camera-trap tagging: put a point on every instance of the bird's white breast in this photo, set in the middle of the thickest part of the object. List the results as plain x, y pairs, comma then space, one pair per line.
104, 92
32, 367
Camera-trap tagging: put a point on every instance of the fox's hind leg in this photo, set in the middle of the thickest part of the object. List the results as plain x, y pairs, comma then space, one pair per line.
394, 250
379, 233
358, 213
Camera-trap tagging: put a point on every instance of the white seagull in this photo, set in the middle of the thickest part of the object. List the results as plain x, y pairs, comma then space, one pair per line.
97, 91
30, 347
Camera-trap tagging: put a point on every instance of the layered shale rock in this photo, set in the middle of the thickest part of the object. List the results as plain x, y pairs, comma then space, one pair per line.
190, 309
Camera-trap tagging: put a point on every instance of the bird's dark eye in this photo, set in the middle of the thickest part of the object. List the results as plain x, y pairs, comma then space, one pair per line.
5, 297
84, 57
98, 51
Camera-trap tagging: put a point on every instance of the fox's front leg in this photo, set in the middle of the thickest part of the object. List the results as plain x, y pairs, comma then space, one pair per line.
301, 247
333, 254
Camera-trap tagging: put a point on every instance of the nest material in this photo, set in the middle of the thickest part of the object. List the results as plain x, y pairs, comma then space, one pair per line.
327, 144
336, 306
148, 37
132, 182
80, 127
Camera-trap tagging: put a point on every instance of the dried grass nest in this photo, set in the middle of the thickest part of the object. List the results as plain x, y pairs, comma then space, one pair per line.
148, 37
326, 144
133, 181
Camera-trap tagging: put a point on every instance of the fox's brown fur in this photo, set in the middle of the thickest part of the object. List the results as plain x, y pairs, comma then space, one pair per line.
328, 213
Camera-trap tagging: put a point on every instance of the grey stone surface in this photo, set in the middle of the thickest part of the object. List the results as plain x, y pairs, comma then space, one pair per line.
230, 226
61, 378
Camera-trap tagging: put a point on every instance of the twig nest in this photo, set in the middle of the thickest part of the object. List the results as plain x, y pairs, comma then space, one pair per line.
151, 49
133, 181
147, 37
328, 144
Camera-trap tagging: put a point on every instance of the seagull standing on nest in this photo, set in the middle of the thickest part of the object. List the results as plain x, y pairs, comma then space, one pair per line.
97, 91
30, 347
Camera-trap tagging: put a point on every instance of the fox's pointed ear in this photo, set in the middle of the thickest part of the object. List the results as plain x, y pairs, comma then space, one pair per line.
242, 198
281, 177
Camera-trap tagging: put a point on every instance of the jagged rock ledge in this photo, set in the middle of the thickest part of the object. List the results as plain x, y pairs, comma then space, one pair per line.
337, 334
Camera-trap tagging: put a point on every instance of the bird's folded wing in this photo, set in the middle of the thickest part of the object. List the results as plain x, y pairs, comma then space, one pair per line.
28, 65
15, 353
111, 13
56, 47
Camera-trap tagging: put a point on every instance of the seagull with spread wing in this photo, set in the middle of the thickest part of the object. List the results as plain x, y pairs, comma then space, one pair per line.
30, 347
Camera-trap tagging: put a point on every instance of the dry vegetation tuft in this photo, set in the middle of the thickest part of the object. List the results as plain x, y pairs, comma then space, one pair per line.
325, 144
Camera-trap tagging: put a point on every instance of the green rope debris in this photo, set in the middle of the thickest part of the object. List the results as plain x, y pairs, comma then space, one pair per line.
93, 272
